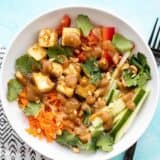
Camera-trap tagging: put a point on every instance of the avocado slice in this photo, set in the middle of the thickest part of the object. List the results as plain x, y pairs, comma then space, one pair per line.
121, 43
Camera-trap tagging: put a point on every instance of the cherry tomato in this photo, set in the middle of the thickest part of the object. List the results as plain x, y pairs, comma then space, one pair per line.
65, 22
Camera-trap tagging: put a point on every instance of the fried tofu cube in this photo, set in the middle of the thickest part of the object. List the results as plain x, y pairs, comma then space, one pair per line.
48, 38
37, 52
64, 89
57, 69
71, 37
85, 90
73, 69
43, 82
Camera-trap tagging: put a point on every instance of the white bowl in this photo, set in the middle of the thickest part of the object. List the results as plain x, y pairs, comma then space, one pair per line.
29, 35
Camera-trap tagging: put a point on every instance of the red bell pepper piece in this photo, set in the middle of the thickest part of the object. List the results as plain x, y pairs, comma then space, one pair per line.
108, 57
107, 33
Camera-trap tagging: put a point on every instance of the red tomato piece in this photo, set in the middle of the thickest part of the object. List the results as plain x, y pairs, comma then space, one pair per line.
65, 22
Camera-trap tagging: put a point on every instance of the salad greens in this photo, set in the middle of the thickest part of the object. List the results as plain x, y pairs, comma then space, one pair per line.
140, 79
84, 24
103, 142
91, 69
14, 88
59, 53
86, 115
32, 109
69, 140
25, 64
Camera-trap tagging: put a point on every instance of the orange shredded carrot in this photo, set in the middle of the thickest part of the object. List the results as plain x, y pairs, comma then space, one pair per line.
22, 99
44, 125
51, 98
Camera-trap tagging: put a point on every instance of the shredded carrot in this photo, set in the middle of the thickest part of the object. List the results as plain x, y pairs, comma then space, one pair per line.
44, 125
22, 99
51, 98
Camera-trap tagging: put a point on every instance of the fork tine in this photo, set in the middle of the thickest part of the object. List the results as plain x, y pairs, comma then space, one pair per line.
156, 38
151, 37
158, 45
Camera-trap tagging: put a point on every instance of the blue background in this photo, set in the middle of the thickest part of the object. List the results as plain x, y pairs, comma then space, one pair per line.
14, 14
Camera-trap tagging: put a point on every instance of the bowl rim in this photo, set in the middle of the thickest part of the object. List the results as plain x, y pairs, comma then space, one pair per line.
97, 9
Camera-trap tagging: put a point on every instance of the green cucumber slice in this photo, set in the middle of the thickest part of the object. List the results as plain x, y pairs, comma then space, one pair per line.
109, 95
119, 116
116, 107
120, 127
130, 119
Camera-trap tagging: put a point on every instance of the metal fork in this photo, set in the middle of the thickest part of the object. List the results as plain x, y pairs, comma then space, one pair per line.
154, 43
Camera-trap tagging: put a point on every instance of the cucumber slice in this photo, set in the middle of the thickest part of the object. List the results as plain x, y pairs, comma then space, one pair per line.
116, 107
119, 116
122, 125
109, 95
115, 95
130, 120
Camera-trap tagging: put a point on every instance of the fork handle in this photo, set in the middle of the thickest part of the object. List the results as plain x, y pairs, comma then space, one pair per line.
129, 154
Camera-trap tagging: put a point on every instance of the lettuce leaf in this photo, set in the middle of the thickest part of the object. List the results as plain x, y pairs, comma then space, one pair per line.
32, 109
26, 64
91, 69
83, 22
69, 140
102, 141
59, 53
105, 142
14, 88
143, 75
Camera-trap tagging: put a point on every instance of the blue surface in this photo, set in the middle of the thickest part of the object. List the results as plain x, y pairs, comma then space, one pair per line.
141, 14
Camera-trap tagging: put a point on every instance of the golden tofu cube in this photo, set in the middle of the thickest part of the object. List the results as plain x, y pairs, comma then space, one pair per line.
43, 82
73, 69
71, 37
57, 69
37, 52
64, 89
86, 90
48, 38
